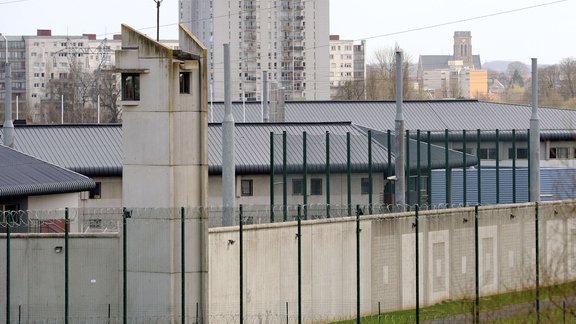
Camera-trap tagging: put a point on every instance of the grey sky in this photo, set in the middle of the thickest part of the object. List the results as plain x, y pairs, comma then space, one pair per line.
547, 32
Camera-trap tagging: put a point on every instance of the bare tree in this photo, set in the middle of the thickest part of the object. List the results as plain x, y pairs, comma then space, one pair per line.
107, 89
567, 72
351, 90
381, 75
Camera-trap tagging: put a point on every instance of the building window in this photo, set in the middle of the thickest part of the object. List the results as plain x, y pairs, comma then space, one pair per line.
130, 86
316, 186
96, 192
246, 187
521, 153
365, 186
488, 154
184, 82
297, 187
558, 152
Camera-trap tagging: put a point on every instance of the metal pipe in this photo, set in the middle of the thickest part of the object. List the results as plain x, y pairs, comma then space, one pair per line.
389, 171
447, 169
8, 272
125, 214
408, 201
418, 175
537, 252
534, 138
429, 185
228, 168
400, 185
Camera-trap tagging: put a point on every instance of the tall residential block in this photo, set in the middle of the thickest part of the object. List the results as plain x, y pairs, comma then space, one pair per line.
286, 38
347, 63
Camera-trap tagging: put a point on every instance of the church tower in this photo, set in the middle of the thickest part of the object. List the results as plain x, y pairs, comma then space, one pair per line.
463, 47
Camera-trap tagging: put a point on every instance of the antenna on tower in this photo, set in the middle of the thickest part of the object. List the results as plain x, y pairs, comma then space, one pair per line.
158, 2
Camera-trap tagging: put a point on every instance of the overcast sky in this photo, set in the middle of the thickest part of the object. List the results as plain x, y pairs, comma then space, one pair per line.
501, 29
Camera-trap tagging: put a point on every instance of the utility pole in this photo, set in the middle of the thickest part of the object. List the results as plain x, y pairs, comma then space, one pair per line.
8, 125
399, 145
158, 2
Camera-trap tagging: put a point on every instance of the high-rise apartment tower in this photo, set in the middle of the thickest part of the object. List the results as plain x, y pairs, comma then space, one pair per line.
286, 38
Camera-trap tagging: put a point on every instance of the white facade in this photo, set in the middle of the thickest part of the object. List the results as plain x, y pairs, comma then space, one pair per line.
54, 57
286, 38
347, 62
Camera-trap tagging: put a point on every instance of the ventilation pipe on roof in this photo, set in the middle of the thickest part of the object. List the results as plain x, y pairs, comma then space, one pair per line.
8, 127
534, 138
228, 168
399, 146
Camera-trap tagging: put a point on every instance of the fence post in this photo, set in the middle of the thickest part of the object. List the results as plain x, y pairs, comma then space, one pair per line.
125, 215
407, 200
348, 175
299, 236
241, 257
327, 174
464, 191
66, 255
418, 175
183, 262
417, 266
305, 177
513, 166
429, 185
370, 172
358, 212
497, 166
284, 178
8, 221
537, 246
476, 268
272, 169
389, 172
448, 171
479, 167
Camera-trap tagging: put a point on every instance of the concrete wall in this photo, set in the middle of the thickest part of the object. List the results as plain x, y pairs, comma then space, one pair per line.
37, 277
387, 263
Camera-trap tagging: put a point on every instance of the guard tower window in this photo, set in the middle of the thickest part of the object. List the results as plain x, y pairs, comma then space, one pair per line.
184, 82
130, 86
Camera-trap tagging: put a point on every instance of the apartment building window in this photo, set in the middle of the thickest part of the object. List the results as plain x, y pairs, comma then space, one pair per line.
297, 187
246, 187
130, 86
521, 153
184, 82
365, 186
315, 186
558, 152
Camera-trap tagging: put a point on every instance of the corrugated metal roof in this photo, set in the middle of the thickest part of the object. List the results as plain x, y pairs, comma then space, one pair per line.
96, 150
432, 115
87, 149
23, 175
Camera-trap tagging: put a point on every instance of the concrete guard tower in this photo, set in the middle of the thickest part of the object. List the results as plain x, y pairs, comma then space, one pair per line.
165, 130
